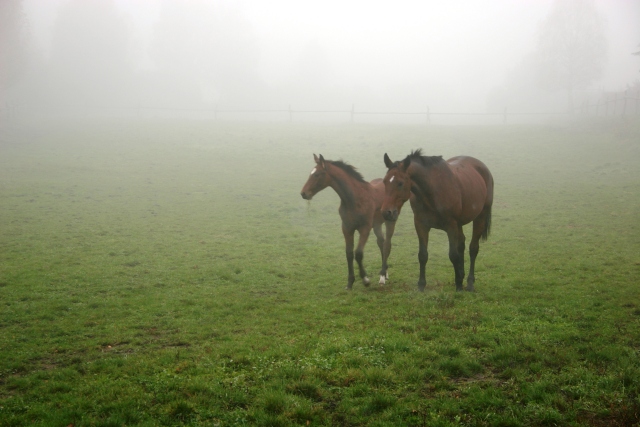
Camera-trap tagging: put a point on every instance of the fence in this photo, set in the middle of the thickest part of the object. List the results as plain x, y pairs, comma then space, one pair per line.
425, 115
352, 115
609, 104
614, 103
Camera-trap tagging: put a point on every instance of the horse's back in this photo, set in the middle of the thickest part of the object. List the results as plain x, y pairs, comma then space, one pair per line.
476, 183
377, 191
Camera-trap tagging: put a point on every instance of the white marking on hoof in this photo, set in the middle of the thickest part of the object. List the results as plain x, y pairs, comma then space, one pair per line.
366, 281
383, 279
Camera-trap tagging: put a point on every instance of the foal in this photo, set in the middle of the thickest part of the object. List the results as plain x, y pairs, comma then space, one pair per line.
360, 204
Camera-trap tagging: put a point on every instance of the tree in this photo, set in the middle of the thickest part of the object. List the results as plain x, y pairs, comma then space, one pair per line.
572, 47
204, 52
13, 41
90, 58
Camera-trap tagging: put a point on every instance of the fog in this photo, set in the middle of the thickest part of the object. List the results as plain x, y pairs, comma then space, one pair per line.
463, 57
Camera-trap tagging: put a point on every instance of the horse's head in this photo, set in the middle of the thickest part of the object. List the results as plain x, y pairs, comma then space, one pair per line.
318, 179
397, 187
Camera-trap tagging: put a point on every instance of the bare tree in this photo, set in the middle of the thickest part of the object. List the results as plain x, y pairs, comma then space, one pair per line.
90, 59
204, 50
13, 52
572, 47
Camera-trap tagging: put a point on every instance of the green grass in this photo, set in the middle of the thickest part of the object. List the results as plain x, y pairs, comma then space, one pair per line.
169, 273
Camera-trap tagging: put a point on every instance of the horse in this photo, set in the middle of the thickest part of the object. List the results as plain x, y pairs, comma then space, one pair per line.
360, 209
444, 195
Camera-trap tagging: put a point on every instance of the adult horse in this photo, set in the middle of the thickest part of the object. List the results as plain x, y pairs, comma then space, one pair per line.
360, 203
448, 194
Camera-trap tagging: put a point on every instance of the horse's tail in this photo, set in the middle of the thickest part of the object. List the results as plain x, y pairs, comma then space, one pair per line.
487, 223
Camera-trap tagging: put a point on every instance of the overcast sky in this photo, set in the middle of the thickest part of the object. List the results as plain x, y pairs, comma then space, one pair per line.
467, 47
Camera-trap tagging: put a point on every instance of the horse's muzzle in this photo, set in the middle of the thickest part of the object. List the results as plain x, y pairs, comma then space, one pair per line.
390, 214
306, 196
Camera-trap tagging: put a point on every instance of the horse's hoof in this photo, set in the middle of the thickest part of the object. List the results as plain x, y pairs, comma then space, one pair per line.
366, 281
347, 288
470, 283
382, 281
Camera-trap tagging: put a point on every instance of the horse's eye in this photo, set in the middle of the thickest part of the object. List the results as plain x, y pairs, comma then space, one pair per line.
400, 184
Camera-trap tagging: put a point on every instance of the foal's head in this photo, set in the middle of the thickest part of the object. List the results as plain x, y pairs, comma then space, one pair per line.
397, 187
318, 179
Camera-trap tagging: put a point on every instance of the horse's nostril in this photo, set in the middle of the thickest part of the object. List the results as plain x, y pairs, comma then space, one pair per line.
390, 215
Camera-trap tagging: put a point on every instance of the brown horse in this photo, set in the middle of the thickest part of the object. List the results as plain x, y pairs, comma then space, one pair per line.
360, 203
448, 194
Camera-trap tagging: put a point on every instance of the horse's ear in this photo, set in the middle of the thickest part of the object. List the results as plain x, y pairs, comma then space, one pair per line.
321, 162
316, 158
405, 163
387, 161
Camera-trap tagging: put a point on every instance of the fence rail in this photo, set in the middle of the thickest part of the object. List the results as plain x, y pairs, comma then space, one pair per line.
620, 103
611, 104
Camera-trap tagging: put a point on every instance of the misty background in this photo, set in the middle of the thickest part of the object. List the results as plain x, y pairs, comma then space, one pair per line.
133, 57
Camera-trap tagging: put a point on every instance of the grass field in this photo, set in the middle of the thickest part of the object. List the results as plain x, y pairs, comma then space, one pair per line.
169, 273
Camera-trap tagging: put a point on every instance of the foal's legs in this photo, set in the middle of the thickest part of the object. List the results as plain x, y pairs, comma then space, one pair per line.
377, 229
348, 240
359, 254
364, 235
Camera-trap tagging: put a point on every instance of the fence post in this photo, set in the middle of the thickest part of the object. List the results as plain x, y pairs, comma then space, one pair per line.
624, 105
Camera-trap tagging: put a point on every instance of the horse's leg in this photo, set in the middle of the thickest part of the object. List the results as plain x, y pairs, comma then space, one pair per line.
423, 255
377, 229
461, 248
474, 248
364, 235
384, 273
457, 258
348, 240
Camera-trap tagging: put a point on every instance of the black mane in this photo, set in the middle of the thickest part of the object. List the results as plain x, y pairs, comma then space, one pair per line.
426, 161
350, 170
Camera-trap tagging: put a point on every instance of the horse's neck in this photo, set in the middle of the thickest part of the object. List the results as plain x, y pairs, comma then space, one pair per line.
344, 185
420, 176
426, 177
